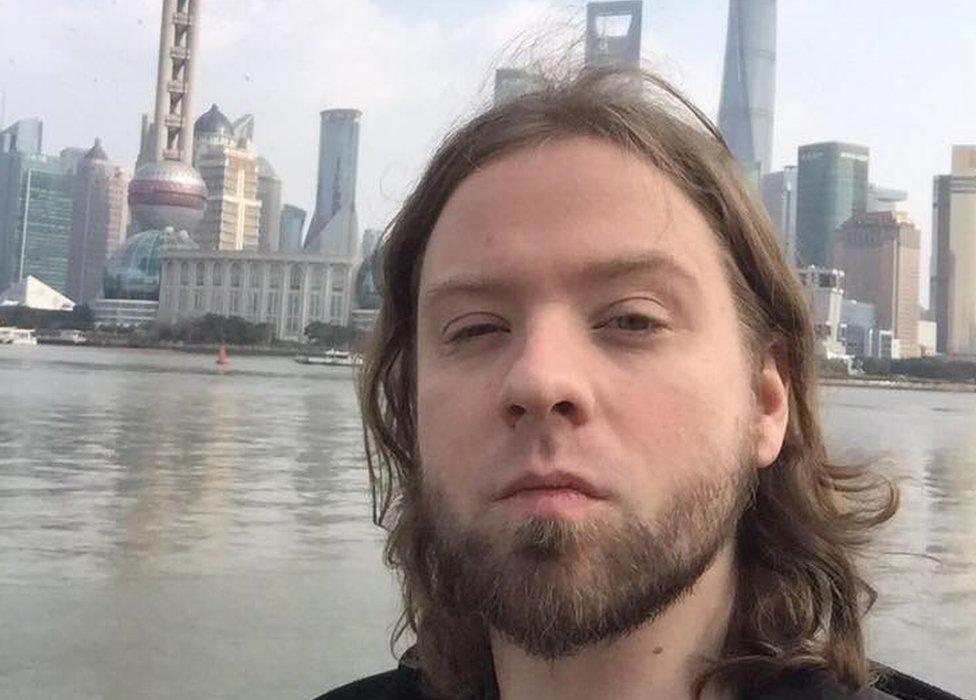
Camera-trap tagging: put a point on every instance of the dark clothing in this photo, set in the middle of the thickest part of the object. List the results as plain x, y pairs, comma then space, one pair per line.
405, 684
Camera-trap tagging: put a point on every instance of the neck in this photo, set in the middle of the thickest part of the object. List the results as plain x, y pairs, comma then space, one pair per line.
660, 659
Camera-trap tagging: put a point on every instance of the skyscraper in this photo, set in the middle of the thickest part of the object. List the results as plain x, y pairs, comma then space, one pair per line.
940, 268
954, 254
269, 192
292, 226
98, 220
334, 229
23, 136
71, 158
225, 159
745, 113
35, 219
879, 252
831, 186
779, 197
613, 34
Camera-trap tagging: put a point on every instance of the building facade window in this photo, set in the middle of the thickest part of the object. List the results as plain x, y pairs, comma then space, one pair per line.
277, 273
217, 302
197, 299
184, 273
294, 320
183, 299
335, 312
200, 274
218, 274
235, 276
235, 303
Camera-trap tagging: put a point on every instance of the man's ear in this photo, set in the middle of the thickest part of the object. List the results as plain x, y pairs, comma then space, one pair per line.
772, 390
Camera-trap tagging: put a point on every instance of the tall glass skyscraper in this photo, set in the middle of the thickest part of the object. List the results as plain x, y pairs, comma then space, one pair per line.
35, 219
831, 186
745, 112
334, 229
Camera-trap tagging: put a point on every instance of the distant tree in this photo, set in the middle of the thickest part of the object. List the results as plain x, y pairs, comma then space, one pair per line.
329, 334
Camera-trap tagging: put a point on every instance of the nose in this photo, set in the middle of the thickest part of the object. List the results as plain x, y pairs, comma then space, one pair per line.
546, 379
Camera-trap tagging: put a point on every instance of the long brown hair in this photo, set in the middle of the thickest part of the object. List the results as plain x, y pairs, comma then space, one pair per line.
800, 598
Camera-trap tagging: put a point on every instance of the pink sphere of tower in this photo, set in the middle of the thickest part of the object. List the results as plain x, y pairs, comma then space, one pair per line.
167, 193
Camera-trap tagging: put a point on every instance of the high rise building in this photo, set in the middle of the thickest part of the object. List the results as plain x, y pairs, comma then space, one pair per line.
35, 219
879, 252
99, 215
292, 227
831, 186
745, 113
613, 34
954, 254
779, 197
940, 266
334, 229
225, 159
23, 136
269, 192
71, 158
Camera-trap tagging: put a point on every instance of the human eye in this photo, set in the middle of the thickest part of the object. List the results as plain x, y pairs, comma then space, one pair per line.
460, 331
634, 319
632, 323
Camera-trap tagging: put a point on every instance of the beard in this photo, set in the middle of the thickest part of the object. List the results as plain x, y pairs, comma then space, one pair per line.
552, 586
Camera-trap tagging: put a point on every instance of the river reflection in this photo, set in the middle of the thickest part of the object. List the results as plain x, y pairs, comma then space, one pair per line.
168, 530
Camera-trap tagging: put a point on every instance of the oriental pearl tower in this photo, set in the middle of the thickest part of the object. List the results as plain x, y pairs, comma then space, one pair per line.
166, 191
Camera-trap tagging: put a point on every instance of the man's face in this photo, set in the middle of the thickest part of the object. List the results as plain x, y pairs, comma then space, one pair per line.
583, 393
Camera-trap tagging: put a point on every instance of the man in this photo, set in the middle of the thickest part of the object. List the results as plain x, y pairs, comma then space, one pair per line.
591, 426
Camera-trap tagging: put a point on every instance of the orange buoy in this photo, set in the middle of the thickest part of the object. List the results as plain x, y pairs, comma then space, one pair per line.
222, 354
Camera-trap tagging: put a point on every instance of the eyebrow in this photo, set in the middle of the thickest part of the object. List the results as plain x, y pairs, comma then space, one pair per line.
587, 273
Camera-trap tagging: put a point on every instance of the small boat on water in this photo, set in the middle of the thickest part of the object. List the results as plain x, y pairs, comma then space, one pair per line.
17, 336
61, 336
333, 358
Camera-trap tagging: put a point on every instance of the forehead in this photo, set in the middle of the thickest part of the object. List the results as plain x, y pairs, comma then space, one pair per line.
536, 215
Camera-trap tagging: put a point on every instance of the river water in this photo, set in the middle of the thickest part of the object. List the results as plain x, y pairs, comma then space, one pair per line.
167, 530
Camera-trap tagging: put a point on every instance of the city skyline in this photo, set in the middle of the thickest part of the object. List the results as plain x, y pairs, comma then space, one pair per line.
405, 112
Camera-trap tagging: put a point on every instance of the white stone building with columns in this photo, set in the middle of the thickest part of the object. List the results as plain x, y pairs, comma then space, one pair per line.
287, 290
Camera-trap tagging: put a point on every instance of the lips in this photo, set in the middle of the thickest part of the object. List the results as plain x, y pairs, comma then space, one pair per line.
556, 481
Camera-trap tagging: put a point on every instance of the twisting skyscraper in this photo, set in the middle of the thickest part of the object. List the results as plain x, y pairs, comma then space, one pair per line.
745, 113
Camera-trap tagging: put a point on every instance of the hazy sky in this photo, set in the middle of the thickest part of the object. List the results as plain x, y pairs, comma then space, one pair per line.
894, 75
